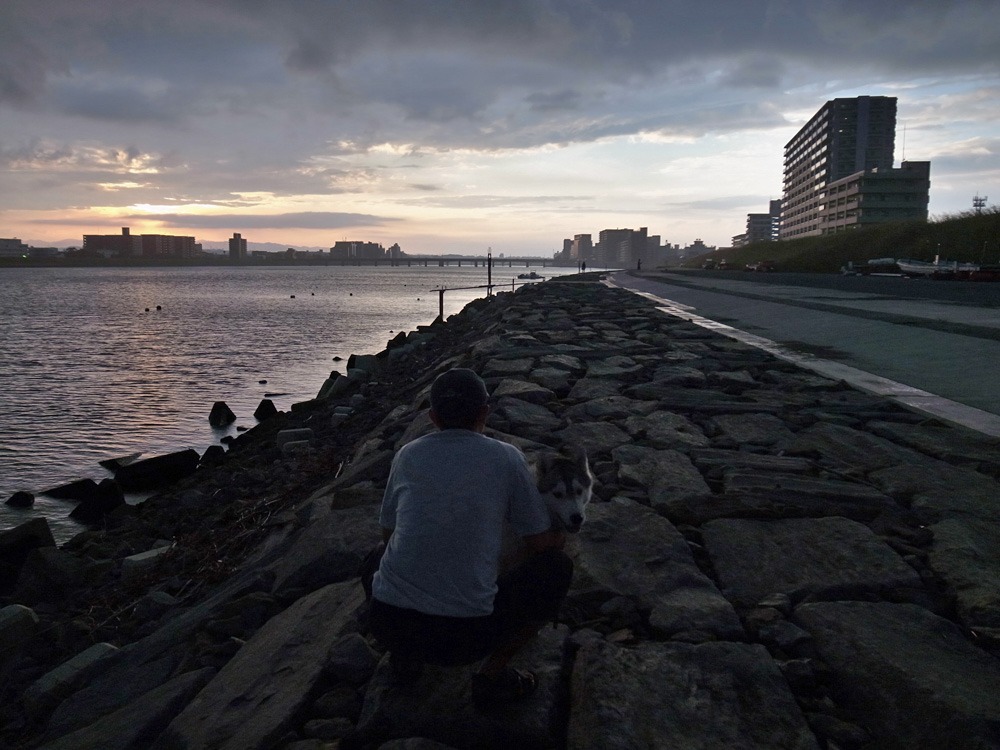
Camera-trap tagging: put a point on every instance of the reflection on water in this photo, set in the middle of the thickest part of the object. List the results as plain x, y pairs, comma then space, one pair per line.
87, 373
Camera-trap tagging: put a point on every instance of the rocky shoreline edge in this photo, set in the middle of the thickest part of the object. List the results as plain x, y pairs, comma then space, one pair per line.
772, 560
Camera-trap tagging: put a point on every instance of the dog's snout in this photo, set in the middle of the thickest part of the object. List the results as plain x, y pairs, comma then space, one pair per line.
576, 520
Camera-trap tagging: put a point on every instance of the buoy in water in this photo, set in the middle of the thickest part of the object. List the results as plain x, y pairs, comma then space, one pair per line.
158, 307
262, 382
147, 309
293, 296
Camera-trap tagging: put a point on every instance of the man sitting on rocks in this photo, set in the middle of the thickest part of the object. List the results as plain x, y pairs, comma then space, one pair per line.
436, 594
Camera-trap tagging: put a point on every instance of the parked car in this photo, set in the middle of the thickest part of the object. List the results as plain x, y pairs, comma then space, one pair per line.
709, 265
761, 265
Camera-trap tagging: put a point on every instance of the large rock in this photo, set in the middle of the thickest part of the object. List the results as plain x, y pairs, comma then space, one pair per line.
109, 497
80, 489
49, 574
439, 707
627, 549
328, 550
911, 678
752, 429
774, 493
955, 445
847, 449
221, 415
664, 429
677, 695
158, 471
261, 691
17, 625
265, 410
16, 544
668, 476
47, 691
965, 554
593, 437
825, 558
936, 490
138, 724
20, 499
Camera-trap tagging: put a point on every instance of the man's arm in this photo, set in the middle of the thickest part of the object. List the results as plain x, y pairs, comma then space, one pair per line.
386, 533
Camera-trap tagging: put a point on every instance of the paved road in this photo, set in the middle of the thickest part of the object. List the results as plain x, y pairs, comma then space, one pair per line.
932, 344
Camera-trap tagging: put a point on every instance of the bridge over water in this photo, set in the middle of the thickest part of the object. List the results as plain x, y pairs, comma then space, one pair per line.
449, 260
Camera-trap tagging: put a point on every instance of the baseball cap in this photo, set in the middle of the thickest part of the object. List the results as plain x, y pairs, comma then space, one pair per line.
458, 388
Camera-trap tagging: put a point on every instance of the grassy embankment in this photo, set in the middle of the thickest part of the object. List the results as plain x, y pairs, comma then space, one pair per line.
966, 237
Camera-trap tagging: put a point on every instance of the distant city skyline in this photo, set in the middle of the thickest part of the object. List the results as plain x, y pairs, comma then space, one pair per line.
456, 127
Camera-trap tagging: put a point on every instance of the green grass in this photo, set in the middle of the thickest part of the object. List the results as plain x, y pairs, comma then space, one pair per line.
967, 237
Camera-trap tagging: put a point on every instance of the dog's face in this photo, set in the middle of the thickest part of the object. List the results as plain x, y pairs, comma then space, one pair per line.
565, 484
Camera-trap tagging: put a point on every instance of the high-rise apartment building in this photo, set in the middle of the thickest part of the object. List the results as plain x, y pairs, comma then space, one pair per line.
237, 247
844, 137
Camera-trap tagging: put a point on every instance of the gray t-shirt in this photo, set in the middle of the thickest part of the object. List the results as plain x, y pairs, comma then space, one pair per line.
447, 499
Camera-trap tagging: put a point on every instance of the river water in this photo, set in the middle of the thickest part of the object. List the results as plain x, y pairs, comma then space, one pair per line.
97, 363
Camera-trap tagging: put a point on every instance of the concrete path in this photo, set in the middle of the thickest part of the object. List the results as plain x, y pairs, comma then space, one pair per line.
934, 346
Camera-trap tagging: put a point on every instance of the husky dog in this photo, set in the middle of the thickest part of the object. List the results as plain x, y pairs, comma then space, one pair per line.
565, 484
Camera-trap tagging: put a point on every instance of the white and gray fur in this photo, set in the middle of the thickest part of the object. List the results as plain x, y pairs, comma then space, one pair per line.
566, 485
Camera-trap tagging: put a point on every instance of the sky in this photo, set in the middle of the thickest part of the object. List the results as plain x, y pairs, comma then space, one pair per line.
462, 126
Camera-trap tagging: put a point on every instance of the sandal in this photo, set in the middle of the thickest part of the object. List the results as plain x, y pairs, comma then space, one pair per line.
506, 686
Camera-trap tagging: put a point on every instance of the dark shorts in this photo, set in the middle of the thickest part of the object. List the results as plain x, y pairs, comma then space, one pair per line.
528, 595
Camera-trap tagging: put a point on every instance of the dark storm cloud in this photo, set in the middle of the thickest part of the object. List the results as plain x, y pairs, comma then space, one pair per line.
484, 73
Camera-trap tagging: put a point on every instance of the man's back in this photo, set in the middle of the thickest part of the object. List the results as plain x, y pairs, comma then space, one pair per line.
446, 501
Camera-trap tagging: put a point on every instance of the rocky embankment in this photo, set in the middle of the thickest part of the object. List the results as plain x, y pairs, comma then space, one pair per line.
771, 560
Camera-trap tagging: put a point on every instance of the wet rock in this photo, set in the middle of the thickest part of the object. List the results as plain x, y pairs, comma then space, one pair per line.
108, 498
158, 471
213, 456
265, 410
79, 490
221, 415
20, 499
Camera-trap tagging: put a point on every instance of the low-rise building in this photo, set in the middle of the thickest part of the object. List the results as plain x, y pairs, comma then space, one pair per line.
875, 196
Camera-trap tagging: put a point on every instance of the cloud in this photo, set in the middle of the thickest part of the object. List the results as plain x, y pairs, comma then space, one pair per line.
300, 220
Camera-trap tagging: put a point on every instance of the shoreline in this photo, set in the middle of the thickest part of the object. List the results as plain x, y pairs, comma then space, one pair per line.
707, 453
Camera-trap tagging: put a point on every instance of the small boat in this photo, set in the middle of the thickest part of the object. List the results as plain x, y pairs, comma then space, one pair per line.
936, 269
531, 275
